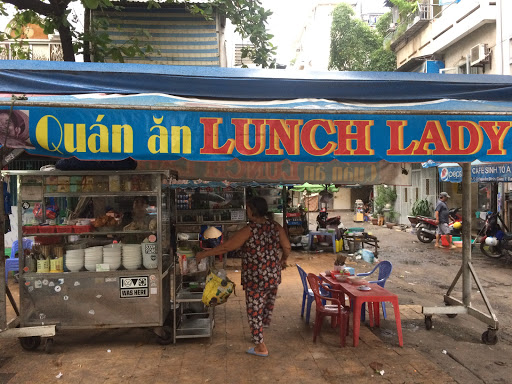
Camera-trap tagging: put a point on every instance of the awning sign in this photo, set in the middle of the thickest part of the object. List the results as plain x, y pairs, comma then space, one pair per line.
481, 172
267, 137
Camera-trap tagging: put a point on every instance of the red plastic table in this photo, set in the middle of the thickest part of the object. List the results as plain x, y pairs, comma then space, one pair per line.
375, 296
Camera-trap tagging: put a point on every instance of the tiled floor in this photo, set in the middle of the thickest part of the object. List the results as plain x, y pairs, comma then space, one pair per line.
83, 357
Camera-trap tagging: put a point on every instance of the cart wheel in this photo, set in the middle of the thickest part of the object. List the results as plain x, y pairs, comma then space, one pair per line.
165, 340
48, 345
490, 337
30, 343
428, 322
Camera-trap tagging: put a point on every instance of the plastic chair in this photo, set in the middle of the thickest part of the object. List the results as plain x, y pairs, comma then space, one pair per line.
385, 268
307, 295
338, 313
12, 263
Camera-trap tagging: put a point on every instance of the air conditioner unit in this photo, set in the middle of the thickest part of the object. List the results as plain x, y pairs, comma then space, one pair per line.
478, 54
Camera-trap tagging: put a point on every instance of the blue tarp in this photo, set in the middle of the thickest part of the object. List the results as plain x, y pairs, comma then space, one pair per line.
51, 77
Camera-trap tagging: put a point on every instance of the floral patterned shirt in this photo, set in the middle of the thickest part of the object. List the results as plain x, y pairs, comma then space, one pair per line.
261, 268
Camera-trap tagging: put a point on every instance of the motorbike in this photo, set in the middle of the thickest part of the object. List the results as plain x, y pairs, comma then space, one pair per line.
323, 221
494, 242
426, 227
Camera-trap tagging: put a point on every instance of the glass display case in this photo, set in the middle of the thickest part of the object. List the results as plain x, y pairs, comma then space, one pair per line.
101, 254
210, 205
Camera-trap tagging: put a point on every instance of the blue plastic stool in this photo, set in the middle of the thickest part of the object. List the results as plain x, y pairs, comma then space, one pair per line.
312, 234
13, 263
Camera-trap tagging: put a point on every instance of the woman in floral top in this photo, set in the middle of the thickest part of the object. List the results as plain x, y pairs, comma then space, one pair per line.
265, 249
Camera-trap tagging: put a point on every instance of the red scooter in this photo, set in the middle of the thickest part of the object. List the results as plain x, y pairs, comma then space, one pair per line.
426, 227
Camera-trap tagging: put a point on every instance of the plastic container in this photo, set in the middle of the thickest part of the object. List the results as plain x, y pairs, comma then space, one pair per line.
64, 229
458, 244
48, 240
445, 240
43, 266
46, 228
456, 238
30, 229
82, 228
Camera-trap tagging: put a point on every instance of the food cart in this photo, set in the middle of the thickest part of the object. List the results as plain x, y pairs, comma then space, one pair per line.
342, 128
102, 255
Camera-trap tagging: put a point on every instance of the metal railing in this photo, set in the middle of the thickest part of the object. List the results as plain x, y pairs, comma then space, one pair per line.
422, 13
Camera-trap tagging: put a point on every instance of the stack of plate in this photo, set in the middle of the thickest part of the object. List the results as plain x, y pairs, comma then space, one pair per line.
74, 259
132, 256
112, 256
93, 256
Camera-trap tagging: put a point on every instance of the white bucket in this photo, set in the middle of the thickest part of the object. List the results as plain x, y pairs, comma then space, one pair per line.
149, 255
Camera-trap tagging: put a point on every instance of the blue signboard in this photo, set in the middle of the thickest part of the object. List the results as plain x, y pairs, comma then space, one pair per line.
250, 135
480, 172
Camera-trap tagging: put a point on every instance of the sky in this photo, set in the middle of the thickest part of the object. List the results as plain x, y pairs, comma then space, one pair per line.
286, 23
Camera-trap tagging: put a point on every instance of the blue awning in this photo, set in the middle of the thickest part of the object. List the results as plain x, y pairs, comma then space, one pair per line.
43, 77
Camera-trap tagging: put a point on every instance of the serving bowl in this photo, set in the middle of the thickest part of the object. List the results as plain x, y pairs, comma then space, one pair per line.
356, 280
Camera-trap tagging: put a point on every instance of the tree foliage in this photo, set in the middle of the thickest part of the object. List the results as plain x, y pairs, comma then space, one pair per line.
355, 46
383, 24
248, 16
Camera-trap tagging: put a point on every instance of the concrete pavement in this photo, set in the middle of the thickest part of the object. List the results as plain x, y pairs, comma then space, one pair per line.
128, 355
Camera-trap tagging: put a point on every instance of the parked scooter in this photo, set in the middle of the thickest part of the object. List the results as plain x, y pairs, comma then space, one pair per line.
324, 221
426, 227
495, 243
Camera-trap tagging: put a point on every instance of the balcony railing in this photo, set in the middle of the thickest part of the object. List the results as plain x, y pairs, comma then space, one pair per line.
409, 26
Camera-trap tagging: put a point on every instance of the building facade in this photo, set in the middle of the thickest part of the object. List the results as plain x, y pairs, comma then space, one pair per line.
33, 44
452, 37
176, 36
313, 43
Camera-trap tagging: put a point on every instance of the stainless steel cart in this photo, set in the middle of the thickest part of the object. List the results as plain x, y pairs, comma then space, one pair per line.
107, 297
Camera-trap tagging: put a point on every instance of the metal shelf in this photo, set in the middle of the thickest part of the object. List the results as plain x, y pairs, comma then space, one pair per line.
54, 275
100, 194
182, 211
185, 296
92, 233
192, 328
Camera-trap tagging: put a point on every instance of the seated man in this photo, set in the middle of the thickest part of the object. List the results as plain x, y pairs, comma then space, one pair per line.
366, 212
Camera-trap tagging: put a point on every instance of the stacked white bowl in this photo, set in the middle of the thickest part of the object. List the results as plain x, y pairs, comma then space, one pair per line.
74, 259
132, 256
93, 256
112, 256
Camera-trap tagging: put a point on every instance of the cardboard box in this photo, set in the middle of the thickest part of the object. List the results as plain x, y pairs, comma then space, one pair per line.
51, 180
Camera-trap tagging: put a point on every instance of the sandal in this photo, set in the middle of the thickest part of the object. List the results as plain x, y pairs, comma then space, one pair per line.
251, 351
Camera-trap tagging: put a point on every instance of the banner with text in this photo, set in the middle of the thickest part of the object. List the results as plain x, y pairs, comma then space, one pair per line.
101, 134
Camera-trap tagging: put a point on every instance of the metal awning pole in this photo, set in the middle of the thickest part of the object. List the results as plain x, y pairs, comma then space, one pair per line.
453, 305
466, 233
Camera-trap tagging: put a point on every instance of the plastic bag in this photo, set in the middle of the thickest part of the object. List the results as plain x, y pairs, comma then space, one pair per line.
366, 255
217, 289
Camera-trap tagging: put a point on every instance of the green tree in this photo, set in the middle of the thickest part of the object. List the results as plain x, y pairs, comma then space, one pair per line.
383, 24
355, 46
248, 16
